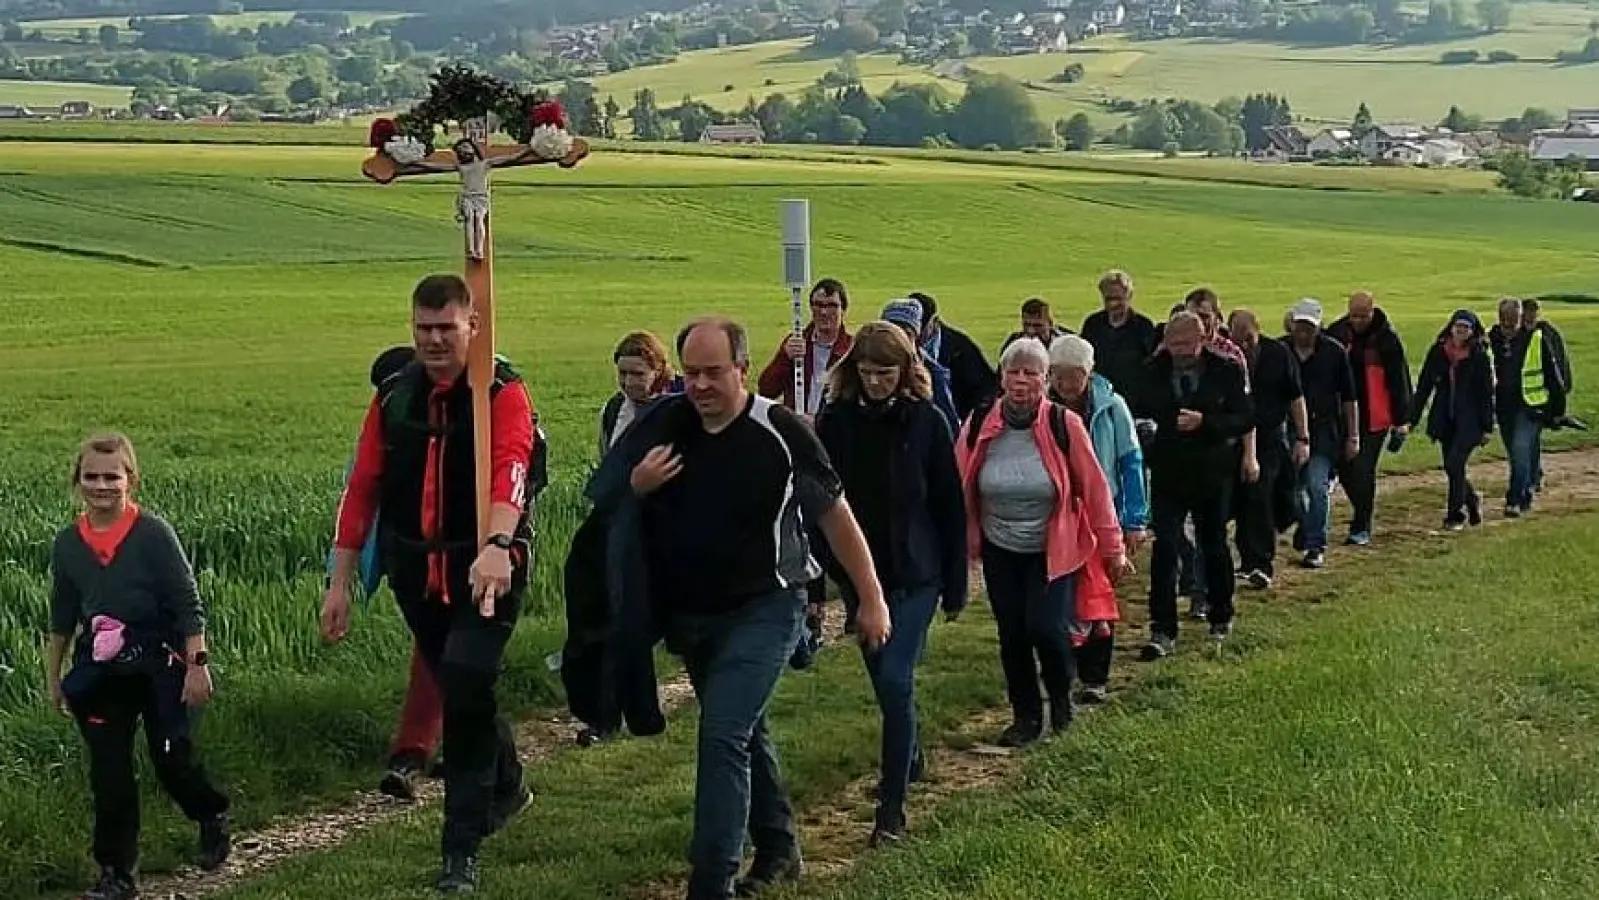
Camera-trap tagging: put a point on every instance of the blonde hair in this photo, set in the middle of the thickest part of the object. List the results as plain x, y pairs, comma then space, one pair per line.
110, 442
885, 344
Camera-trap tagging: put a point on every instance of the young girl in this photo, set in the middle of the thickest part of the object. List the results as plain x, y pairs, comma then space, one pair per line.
123, 585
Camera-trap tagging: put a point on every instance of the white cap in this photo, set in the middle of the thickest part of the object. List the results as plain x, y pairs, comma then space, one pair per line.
1306, 310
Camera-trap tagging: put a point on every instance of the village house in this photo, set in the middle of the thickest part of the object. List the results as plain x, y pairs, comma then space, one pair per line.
77, 109
735, 133
1331, 142
1284, 143
1402, 153
1443, 151
1380, 139
1557, 148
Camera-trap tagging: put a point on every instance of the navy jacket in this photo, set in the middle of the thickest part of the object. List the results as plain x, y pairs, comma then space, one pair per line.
1464, 402
929, 520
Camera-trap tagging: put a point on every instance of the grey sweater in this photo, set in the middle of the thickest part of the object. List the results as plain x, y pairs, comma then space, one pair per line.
1017, 493
148, 586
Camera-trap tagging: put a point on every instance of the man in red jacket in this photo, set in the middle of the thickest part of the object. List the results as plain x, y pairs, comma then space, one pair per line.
415, 471
824, 343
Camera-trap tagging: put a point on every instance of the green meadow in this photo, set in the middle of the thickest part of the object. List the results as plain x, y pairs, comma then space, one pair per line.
47, 96
221, 304
68, 29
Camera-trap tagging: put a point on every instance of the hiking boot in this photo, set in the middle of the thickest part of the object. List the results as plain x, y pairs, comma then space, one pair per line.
1160, 646
113, 885
505, 808
215, 843
1020, 733
767, 872
1258, 580
1314, 559
1512, 511
889, 830
403, 779
1454, 525
1359, 539
1093, 694
458, 875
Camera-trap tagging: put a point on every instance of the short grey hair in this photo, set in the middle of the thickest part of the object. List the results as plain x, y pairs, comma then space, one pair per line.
1509, 303
1022, 351
1071, 352
1116, 277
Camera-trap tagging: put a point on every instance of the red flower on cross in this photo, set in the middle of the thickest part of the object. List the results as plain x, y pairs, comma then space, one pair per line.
382, 131
548, 112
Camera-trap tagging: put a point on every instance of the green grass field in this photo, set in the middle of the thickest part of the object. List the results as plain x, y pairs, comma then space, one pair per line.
47, 96
67, 29
221, 304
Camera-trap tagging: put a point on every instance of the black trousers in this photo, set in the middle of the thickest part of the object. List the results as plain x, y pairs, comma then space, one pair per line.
1093, 658
1256, 507
1359, 478
107, 717
1209, 505
464, 651
1033, 617
1457, 446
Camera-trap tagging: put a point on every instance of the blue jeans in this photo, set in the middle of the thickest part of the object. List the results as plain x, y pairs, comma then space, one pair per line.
1523, 444
733, 661
893, 672
1315, 481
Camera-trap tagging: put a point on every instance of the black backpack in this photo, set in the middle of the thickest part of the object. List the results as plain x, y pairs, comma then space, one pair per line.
1057, 427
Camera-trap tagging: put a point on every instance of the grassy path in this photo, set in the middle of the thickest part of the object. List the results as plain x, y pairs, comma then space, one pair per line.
612, 821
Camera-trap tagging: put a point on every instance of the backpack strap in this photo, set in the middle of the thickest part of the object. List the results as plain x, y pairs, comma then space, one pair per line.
1063, 440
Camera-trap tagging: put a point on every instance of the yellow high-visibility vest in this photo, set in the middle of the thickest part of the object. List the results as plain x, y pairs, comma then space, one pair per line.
1533, 391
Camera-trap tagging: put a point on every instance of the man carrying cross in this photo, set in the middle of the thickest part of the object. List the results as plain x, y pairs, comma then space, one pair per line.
415, 470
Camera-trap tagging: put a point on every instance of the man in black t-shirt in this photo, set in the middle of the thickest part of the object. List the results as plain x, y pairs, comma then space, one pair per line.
726, 490
1334, 421
1123, 338
1281, 443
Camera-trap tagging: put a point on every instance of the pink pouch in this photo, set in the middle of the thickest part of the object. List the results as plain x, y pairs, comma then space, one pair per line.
108, 639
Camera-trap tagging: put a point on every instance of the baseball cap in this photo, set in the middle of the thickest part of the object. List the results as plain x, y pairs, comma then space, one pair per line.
1306, 310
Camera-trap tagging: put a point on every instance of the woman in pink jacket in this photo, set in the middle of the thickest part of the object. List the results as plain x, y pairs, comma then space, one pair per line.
1040, 518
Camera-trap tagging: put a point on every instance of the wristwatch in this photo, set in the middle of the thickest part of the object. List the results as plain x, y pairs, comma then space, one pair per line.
502, 541
200, 660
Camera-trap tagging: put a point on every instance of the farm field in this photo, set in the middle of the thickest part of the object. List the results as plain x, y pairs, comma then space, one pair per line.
68, 28
49, 95
221, 304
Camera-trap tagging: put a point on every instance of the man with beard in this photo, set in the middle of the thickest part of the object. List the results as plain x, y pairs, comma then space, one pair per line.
1382, 393
1334, 421
1279, 400
1202, 408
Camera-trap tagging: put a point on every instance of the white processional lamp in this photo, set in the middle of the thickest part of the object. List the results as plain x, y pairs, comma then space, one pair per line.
797, 275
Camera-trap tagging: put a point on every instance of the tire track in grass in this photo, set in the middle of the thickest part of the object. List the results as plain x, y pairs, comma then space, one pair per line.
833, 834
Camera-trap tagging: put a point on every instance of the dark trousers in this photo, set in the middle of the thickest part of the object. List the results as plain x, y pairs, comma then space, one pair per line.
734, 660
1209, 507
107, 717
1093, 657
893, 672
1457, 446
1359, 478
464, 651
1033, 616
1257, 527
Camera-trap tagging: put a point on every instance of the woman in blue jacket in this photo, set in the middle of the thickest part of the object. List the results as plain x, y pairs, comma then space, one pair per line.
1074, 385
896, 457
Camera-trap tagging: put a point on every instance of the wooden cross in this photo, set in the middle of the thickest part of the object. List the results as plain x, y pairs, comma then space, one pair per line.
473, 157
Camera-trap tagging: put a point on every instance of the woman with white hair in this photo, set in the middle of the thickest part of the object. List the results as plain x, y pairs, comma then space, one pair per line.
1040, 518
1074, 385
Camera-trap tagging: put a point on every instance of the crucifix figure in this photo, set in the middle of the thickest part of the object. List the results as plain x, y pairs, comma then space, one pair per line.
472, 157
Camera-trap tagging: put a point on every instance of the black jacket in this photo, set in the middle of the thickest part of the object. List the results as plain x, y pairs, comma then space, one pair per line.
1197, 460
1510, 362
1379, 339
1120, 353
928, 524
1465, 401
971, 381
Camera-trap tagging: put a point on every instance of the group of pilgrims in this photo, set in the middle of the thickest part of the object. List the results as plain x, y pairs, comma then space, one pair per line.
723, 519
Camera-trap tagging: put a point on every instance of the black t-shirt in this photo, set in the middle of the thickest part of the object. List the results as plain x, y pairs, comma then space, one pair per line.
1274, 375
870, 492
1120, 352
1328, 385
731, 525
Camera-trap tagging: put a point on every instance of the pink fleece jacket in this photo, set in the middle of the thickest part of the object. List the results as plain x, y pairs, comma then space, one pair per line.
1074, 537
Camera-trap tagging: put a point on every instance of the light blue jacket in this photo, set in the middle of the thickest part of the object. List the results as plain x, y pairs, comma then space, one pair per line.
1110, 424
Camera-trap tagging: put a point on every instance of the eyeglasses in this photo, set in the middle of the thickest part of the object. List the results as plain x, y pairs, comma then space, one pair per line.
825, 304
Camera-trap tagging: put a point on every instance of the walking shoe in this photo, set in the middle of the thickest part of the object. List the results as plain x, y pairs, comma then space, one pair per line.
1198, 608
458, 875
1159, 647
505, 808
588, 736
1021, 733
1093, 694
403, 779
768, 871
1258, 580
1314, 559
1454, 526
1512, 511
1359, 539
113, 885
215, 843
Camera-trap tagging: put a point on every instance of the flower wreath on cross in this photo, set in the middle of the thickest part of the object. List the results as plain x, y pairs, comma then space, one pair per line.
458, 94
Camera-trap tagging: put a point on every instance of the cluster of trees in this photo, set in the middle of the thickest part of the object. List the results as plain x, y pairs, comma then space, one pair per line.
1538, 179
1230, 126
1368, 20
